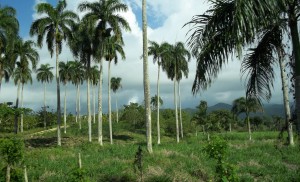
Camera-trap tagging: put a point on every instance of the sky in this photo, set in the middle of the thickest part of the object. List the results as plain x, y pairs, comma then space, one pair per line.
165, 23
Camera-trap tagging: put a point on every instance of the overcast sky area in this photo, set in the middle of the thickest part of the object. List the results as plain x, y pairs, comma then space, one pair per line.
165, 21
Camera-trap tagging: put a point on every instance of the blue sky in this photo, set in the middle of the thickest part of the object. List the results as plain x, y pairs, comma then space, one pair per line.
165, 21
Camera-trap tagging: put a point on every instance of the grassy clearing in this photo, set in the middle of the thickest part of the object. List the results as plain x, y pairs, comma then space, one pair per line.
263, 159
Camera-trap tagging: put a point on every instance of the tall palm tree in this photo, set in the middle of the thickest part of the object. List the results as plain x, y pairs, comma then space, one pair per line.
156, 101
246, 105
177, 65
105, 15
56, 25
77, 80
115, 86
94, 74
9, 27
66, 73
45, 75
25, 53
228, 26
146, 78
158, 52
22, 75
113, 47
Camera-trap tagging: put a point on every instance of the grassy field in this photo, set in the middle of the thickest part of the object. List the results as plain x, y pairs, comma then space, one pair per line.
263, 159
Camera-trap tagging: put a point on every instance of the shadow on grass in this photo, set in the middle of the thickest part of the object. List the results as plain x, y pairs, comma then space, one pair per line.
41, 142
123, 137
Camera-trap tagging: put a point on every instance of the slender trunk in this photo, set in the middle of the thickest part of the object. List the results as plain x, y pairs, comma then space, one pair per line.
100, 137
58, 98
117, 108
146, 79
65, 110
8, 173
180, 115
176, 112
79, 117
17, 105
22, 124
158, 125
76, 103
79, 161
45, 124
286, 98
89, 110
230, 127
293, 24
25, 174
109, 106
249, 126
94, 104
208, 137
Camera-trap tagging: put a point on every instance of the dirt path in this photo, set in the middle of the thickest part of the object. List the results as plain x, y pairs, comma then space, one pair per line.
45, 131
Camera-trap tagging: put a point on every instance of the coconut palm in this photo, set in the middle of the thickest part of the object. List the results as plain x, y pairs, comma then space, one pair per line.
177, 66
66, 73
115, 86
77, 80
105, 14
158, 52
146, 78
25, 53
94, 75
156, 101
243, 105
45, 75
9, 27
228, 26
112, 48
56, 25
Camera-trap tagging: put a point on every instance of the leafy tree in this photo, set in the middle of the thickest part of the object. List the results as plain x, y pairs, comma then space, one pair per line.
45, 75
115, 86
56, 25
66, 73
134, 113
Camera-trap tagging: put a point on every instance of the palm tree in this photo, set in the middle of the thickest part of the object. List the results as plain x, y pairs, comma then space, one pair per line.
146, 78
77, 80
243, 105
9, 27
115, 86
156, 101
56, 25
231, 25
45, 75
66, 73
25, 53
177, 65
113, 47
158, 52
105, 14
94, 74
22, 75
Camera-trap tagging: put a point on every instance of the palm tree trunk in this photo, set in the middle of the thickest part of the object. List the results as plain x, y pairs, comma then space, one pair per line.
109, 106
8, 173
176, 112
100, 137
249, 126
17, 105
45, 125
146, 79
94, 105
76, 103
180, 116
89, 110
286, 99
293, 24
65, 110
79, 117
25, 174
58, 98
22, 124
117, 108
158, 125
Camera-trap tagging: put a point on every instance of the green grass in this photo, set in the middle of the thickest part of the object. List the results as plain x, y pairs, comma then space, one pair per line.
263, 159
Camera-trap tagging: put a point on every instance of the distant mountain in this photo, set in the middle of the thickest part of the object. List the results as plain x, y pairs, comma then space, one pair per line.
269, 109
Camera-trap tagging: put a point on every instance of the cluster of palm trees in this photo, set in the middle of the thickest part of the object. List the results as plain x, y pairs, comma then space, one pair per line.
228, 27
